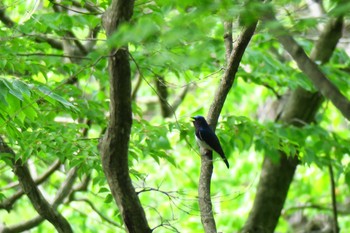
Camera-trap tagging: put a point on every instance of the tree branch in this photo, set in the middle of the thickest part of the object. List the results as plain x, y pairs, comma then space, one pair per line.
8, 203
39, 202
310, 68
88, 6
228, 39
99, 213
5, 19
179, 99
163, 96
10, 24
29, 187
225, 85
138, 78
229, 75
62, 193
23, 226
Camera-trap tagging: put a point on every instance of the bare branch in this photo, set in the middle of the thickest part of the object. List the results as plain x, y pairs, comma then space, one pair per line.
341, 209
23, 226
54, 43
204, 198
92, 10
328, 40
53, 55
102, 216
66, 187
229, 75
88, 6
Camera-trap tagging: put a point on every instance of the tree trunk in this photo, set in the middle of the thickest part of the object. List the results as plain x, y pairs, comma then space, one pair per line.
300, 109
115, 143
276, 178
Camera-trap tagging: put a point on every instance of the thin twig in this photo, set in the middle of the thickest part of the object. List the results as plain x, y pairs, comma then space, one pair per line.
8, 203
99, 213
60, 196
52, 55
76, 11
54, 166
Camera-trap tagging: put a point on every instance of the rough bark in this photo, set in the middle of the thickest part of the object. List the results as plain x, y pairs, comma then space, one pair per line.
204, 198
205, 205
276, 178
301, 108
115, 143
228, 39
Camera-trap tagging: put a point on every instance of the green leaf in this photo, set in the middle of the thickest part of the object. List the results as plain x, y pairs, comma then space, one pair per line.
12, 90
3, 92
7, 158
49, 94
21, 87
108, 198
103, 190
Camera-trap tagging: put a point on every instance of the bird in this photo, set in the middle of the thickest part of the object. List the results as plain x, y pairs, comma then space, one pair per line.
206, 138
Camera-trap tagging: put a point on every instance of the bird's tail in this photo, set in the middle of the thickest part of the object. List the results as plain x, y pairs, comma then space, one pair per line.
225, 160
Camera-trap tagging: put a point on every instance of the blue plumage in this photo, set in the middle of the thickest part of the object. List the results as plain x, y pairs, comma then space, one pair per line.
206, 137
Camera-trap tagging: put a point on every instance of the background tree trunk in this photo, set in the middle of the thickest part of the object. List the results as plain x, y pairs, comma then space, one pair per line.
300, 109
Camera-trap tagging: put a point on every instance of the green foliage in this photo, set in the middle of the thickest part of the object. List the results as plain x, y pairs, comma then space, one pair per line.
53, 106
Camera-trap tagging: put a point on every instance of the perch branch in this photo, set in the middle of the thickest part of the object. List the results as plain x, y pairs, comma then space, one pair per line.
225, 85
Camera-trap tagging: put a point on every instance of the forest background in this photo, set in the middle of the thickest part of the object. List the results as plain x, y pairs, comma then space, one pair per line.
96, 100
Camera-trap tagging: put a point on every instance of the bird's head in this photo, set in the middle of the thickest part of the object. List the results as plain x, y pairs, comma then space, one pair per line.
199, 121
